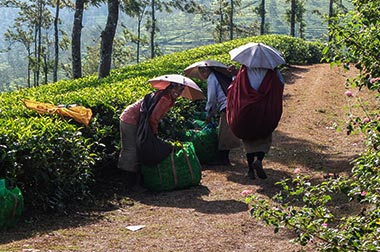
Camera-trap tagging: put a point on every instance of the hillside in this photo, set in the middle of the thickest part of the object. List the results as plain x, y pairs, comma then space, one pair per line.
177, 31
180, 31
212, 216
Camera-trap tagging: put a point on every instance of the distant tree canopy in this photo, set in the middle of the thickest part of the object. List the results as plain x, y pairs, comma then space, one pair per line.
355, 40
40, 31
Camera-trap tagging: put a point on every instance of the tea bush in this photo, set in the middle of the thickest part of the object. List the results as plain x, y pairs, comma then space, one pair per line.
56, 161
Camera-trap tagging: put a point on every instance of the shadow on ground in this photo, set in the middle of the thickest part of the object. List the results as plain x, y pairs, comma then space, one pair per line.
111, 196
291, 73
191, 198
38, 224
292, 153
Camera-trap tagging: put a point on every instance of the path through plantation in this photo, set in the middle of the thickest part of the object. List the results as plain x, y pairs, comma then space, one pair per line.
212, 216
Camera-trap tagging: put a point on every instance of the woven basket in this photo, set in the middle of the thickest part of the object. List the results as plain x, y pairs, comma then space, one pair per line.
181, 169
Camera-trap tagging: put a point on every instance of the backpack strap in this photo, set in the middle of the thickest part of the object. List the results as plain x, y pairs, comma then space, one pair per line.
150, 101
223, 80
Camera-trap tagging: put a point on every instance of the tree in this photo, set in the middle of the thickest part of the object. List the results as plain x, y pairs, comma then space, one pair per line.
231, 19
4, 70
220, 27
333, 12
292, 16
152, 28
221, 13
122, 54
261, 13
335, 8
36, 16
56, 38
91, 59
46, 64
76, 39
107, 37
295, 15
355, 40
189, 6
300, 17
136, 9
25, 37
38, 34
33, 17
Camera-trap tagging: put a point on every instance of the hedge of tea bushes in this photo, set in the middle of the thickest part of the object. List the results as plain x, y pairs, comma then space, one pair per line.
56, 161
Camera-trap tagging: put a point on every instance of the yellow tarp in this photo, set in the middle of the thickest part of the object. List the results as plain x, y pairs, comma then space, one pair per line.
78, 113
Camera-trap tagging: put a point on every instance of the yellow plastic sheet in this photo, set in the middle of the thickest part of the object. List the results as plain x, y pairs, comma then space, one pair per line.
78, 113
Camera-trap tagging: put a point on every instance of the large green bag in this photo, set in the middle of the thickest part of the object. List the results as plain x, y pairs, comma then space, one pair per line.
181, 169
205, 141
11, 205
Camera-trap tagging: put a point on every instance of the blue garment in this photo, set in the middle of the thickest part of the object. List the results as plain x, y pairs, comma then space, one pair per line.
216, 99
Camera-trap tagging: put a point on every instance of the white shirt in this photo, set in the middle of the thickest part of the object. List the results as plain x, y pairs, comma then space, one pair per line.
216, 99
256, 76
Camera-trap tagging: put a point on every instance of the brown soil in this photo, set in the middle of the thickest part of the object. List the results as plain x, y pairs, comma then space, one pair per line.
213, 216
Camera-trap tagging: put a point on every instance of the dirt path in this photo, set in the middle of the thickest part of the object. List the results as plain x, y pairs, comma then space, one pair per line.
213, 216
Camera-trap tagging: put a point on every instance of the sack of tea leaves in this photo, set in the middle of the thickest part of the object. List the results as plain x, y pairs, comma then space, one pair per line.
11, 205
205, 141
181, 169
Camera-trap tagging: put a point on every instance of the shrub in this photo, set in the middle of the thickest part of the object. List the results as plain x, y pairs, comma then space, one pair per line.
310, 210
57, 161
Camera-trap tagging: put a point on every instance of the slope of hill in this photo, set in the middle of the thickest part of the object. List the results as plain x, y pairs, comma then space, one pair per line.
178, 31
212, 216
177, 27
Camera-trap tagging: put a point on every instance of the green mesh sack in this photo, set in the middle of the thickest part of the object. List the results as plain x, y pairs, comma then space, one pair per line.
199, 124
205, 143
181, 169
11, 205
200, 115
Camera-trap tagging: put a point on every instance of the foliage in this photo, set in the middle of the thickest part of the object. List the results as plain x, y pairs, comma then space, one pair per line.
356, 41
295, 15
178, 31
34, 18
311, 212
55, 161
48, 158
315, 210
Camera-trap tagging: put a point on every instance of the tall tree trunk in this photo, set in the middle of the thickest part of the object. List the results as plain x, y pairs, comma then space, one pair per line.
221, 22
39, 49
45, 68
232, 21
107, 36
29, 67
152, 50
35, 83
56, 42
293, 18
76, 39
138, 40
331, 12
262, 14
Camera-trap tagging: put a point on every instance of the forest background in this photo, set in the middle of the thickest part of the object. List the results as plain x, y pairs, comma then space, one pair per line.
175, 30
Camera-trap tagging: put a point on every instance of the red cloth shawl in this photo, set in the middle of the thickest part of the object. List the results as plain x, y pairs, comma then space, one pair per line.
254, 114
